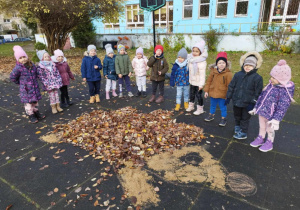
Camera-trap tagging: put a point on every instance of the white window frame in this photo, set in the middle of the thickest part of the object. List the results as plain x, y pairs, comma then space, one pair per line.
6, 20
14, 15
223, 16
167, 21
199, 9
135, 23
114, 26
284, 16
240, 15
183, 6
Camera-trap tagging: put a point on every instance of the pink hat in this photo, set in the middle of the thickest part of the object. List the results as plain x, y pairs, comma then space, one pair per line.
58, 52
19, 52
139, 50
200, 45
282, 72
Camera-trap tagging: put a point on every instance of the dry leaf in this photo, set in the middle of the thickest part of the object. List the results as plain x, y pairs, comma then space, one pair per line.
156, 189
78, 190
32, 158
63, 195
8, 207
37, 132
96, 203
55, 190
50, 193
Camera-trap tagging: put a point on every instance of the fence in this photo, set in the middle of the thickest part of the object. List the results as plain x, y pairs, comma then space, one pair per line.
227, 28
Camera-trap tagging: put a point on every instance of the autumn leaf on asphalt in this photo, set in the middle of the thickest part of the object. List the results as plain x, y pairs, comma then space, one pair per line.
78, 190
37, 132
156, 189
50, 193
63, 195
96, 203
8, 207
55, 190
45, 166
32, 158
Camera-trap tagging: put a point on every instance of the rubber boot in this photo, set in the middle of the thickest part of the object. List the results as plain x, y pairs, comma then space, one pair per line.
177, 107
107, 95
199, 110
191, 107
186, 105
114, 93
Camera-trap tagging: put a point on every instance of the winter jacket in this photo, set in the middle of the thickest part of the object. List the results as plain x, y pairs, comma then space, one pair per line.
109, 69
179, 76
27, 79
245, 88
140, 66
217, 82
50, 79
197, 67
123, 64
157, 65
274, 101
65, 72
87, 68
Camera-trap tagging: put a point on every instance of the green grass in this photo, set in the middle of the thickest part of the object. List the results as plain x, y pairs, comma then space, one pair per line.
7, 48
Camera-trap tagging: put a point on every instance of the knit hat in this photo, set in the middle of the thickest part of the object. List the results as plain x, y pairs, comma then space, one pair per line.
221, 56
158, 47
40, 54
120, 46
19, 52
90, 47
139, 50
182, 53
200, 45
251, 61
58, 53
109, 49
281, 72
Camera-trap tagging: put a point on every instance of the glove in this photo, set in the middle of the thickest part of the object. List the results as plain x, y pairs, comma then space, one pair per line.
250, 107
227, 101
252, 112
274, 124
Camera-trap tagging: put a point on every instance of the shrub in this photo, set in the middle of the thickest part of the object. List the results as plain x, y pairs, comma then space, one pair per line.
84, 34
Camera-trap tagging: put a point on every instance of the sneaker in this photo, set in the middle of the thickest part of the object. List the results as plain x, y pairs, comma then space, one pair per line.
130, 94
210, 117
257, 142
223, 122
240, 135
33, 119
237, 129
267, 146
120, 95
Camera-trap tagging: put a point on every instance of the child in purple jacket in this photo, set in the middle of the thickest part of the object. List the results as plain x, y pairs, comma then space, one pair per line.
25, 75
272, 105
66, 74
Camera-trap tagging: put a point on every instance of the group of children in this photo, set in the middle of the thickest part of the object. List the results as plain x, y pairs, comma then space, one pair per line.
245, 89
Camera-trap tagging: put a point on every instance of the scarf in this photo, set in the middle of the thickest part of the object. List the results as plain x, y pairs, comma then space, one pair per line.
47, 64
195, 61
159, 57
184, 63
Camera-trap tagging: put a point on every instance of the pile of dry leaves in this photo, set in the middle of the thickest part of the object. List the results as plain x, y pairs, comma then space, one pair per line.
128, 135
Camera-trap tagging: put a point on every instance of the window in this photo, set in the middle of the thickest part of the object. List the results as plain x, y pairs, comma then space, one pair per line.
135, 16
14, 15
222, 8
187, 8
6, 20
284, 11
204, 8
164, 16
241, 7
115, 25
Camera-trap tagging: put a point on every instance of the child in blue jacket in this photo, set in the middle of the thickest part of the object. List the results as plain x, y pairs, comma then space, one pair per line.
90, 72
109, 71
180, 78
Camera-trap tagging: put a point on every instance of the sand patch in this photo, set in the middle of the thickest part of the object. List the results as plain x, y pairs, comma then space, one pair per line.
52, 137
136, 183
190, 164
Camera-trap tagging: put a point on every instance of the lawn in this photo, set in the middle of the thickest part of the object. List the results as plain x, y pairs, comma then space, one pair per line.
75, 55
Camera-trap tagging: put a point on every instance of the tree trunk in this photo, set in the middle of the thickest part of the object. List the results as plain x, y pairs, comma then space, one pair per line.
55, 39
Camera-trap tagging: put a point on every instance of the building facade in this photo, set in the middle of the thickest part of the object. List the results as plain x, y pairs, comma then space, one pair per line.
197, 16
12, 24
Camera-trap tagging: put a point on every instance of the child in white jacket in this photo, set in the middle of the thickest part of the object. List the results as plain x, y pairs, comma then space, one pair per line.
197, 65
139, 64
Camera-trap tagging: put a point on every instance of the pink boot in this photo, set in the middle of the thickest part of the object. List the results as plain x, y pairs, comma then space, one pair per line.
107, 95
199, 110
114, 93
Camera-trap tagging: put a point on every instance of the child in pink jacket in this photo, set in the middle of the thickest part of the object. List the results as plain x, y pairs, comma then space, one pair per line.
139, 64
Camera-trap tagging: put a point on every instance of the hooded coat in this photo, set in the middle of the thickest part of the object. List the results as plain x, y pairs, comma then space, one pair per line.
50, 79
157, 65
123, 64
140, 66
245, 88
217, 82
65, 72
274, 101
27, 79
